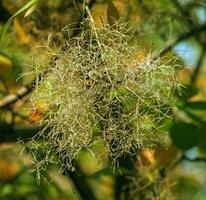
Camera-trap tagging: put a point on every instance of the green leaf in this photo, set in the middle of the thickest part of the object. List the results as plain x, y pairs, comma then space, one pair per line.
196, 118
165, 125
188, 91
198, 105
112, 13
184, 135
27, 6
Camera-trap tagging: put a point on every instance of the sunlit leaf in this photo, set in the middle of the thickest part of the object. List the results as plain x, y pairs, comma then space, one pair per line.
30, 10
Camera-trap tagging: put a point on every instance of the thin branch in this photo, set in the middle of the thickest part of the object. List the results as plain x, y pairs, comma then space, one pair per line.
93, 26
12, 134
13, 98
184, 36
199, 65
79, 180
81, 185
194, 160
21, 116
77, 29
183, 157
2, 79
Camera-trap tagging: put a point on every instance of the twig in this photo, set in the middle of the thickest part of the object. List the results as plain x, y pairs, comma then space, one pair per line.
81, 185
127, 162
164, 171
194, 160
12, 134
169, 46
93, 25
185, 158
12, 98
21, 116
77, 30
199, 65
2, 79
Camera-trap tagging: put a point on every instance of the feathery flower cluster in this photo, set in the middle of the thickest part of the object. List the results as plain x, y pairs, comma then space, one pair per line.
96, 90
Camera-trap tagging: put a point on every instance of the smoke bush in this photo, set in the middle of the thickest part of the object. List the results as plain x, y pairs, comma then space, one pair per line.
96, 90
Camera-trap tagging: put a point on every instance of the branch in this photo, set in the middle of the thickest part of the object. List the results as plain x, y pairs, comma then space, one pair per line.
81, 185
79, 181
10, 133
199, 65
93, 25
13, 98
164, 172
185, 158
194, 160
127, 162
6, 89
169, 46
77, 29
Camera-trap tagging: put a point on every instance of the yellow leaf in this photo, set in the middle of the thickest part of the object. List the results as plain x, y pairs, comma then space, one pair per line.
5, 64
8, 170
184, 75
38, 110
112, 13
159, 157
99, 15
165, 155
99, 12
201, 81
23, 37
141, 55
9, 165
